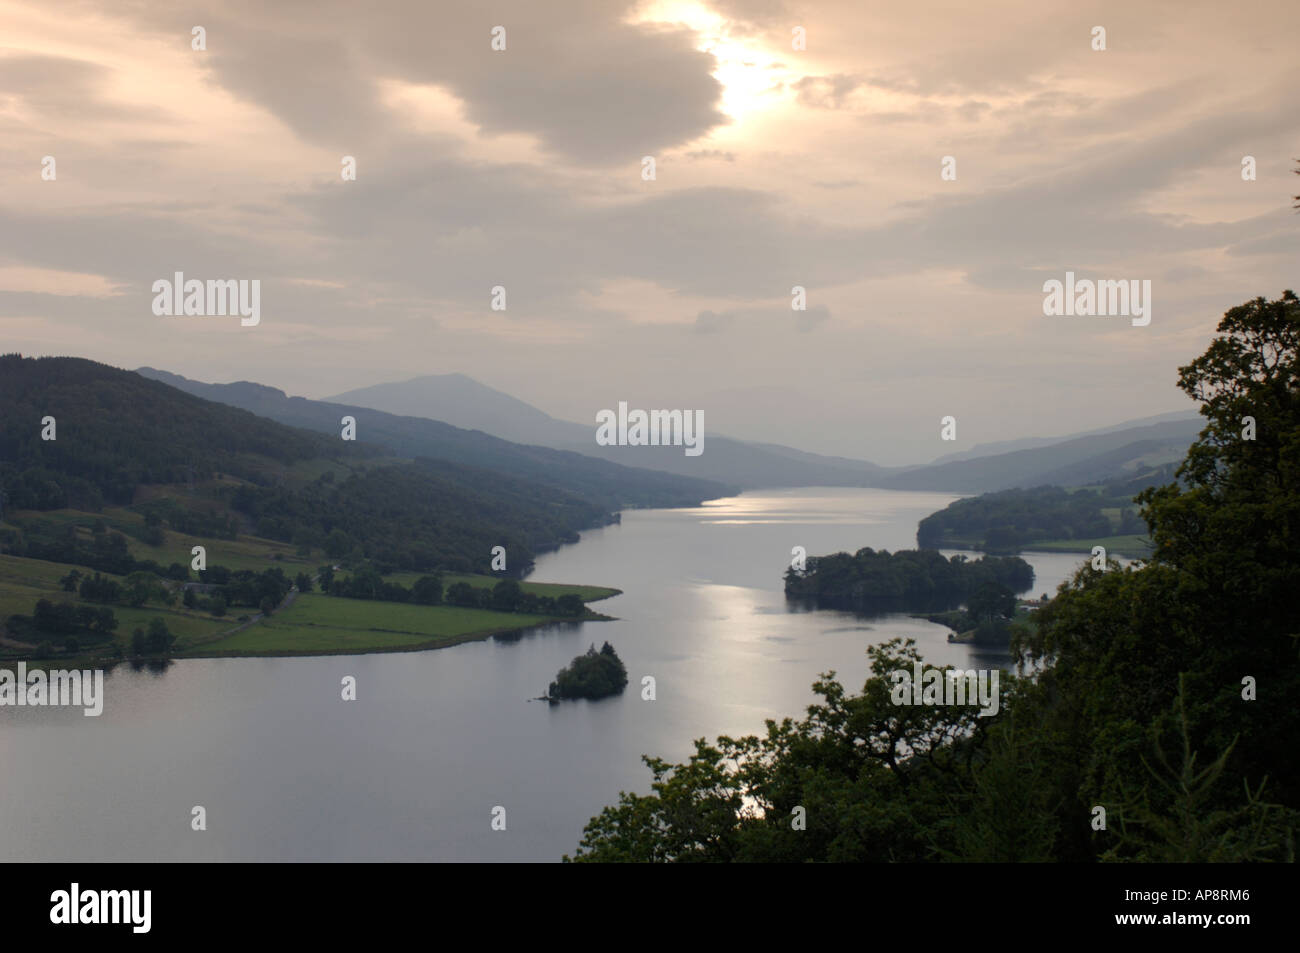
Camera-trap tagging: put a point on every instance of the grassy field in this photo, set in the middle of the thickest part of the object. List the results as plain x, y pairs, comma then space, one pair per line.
1133, 546
553, 589
24, 581
328, 625
312, 624
247, 552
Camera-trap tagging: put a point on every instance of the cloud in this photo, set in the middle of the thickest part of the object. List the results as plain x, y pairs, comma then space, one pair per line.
827, 92
589, 85
710, 322
522, 169
62, 89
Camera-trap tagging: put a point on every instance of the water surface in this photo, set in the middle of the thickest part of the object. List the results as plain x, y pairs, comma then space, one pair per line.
435, 740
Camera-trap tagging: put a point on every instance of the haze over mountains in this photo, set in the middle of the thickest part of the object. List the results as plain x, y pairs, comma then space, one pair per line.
403, 415
608, 484
1028, 443
1091, 456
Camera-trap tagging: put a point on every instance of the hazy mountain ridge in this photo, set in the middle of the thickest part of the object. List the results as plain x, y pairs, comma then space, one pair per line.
610, 484
1030, 443
1099, 454
1069, 463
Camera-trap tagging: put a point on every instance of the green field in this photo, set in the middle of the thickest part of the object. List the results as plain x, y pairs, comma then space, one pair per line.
312, 624
246, 552
24, 581
317, 624
552, 589
1133, 546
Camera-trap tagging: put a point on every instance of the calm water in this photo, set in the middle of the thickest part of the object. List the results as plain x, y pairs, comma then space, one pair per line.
413, 769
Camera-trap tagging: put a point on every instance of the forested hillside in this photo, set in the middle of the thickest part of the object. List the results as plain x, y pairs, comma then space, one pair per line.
609, 485
114, 431
1017, 519
209, 469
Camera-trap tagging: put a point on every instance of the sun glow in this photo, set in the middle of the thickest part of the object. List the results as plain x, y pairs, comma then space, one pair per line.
752, 78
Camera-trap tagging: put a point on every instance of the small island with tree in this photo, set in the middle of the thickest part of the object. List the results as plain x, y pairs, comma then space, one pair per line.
591, 675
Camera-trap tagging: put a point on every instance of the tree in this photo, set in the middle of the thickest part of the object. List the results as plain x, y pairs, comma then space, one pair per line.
462, 594
991, 603
570, 604
1229, 535
338, 543
140, 587
591, 675
365, 583
303, 582
427, 590
866, 771
506, 595
158, 639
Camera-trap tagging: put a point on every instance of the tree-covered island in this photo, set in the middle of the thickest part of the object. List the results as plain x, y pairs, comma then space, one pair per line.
591, 675
910, 580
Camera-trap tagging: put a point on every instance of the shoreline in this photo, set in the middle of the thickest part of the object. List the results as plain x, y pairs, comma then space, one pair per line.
207, 648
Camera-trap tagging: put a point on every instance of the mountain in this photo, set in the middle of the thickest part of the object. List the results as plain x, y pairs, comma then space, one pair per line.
77, 434
1083, 460
1027, 443
464, 402
1119, 451
608, 484
1106, 453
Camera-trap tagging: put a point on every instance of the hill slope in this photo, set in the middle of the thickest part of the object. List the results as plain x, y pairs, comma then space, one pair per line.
611, 485
1093, 459
120, 438
465, 402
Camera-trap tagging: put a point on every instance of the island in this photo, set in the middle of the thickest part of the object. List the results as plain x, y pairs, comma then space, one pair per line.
909, 580
591, 675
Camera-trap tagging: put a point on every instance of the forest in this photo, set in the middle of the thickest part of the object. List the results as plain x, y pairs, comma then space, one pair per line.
82, 435
1011, 520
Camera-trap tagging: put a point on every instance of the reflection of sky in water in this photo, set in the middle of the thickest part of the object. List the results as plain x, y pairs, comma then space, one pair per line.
817, 505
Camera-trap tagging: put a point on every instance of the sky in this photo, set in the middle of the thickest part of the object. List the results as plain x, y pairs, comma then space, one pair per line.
775, 166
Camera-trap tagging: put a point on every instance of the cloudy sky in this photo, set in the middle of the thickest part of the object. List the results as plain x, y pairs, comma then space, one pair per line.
775, 167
